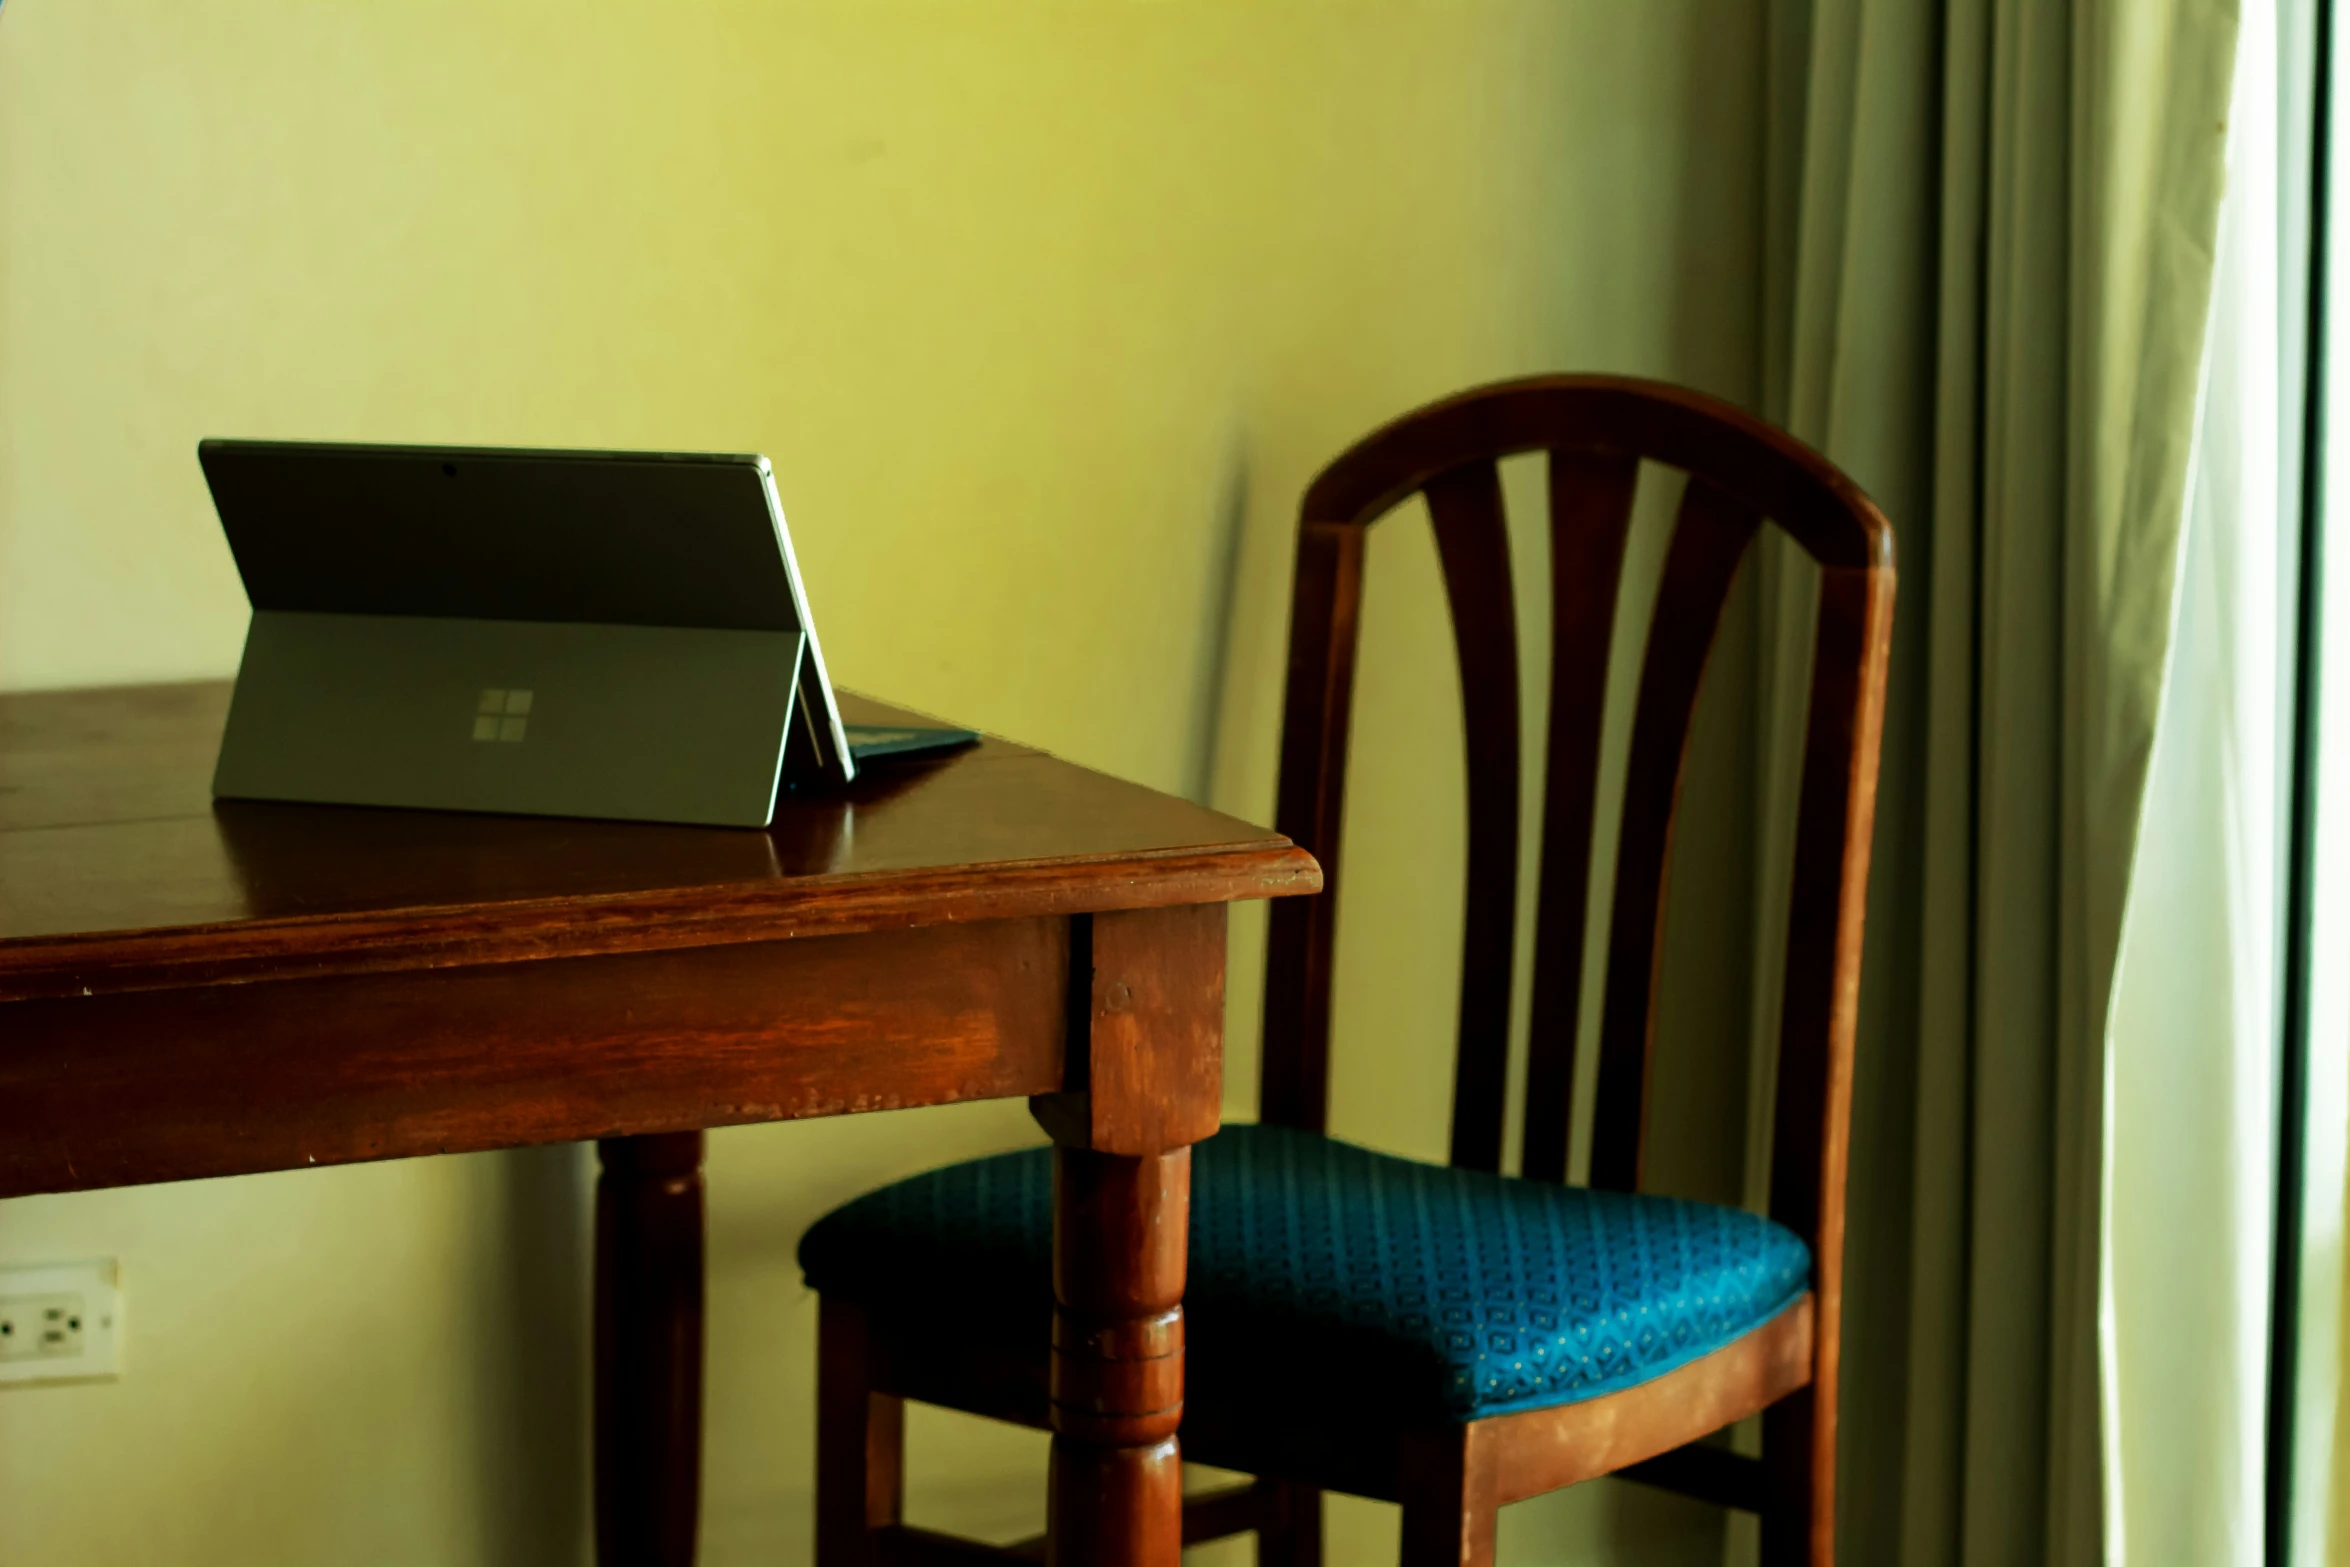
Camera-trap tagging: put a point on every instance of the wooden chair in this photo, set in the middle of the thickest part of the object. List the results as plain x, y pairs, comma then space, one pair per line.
1407, 1331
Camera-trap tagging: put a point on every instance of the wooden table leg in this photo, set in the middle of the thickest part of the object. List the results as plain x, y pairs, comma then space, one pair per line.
1117, 1368
648, 1350
1146, 1071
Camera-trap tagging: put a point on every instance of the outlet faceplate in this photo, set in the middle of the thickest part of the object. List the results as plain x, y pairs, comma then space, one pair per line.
60, 1322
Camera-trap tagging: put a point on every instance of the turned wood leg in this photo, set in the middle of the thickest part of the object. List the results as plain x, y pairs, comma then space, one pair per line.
860, 1442
1146, 1076
1117, 1366
648, 1349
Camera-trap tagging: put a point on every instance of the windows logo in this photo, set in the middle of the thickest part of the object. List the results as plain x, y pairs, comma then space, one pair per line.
502, 714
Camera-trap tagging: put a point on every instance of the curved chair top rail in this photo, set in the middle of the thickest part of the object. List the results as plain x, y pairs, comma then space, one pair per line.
1766, 469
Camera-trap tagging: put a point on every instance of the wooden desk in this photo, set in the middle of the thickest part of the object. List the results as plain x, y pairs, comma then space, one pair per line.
194, 990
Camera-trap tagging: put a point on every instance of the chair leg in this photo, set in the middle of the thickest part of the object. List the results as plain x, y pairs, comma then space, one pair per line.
860, 1442
1799, 1485
1294, 1537
1448, 1499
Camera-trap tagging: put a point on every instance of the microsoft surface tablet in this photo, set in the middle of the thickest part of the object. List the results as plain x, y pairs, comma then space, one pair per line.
549, 632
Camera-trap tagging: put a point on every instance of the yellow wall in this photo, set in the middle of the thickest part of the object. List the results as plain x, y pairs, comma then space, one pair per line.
1045, 312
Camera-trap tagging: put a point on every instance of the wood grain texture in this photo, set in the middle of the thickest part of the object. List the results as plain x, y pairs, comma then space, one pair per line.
147, 886
231, 1079
1147, 993
1541, 1450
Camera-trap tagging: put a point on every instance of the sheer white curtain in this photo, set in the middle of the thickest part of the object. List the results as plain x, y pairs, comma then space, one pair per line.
2190, 1146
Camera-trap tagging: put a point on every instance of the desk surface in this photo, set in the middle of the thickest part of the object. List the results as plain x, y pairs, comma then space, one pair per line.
118, 872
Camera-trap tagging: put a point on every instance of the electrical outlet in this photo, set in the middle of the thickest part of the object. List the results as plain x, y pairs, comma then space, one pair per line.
60, 1322
41, 1327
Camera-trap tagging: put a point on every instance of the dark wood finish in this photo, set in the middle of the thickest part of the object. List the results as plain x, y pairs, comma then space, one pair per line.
1820, 1016
1591, 497
1325, 609
1289, 1527
1769, 470
229, 1079
1597, 430
1709, 544
1115, 1504
1472, 540
1449, 1480
156, 887
1118, 1255
1741, 472
193, 990
648, 1383
860, 1492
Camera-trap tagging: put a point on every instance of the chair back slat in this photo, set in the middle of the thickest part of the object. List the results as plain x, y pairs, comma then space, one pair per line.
1317, 709
1590, 516
1472, 542
1710, 539
1597, 429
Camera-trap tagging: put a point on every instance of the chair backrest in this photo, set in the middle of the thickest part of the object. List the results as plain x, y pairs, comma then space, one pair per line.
1596, 430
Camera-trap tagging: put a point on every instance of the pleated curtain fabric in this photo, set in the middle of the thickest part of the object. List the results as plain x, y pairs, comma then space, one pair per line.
1991, 236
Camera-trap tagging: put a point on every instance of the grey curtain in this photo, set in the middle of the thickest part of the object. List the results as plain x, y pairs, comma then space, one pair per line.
1991, 239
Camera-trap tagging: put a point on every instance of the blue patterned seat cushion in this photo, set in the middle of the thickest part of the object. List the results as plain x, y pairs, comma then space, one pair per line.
1396, 1290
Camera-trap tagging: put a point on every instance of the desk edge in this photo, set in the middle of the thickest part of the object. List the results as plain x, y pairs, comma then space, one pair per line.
246, 952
